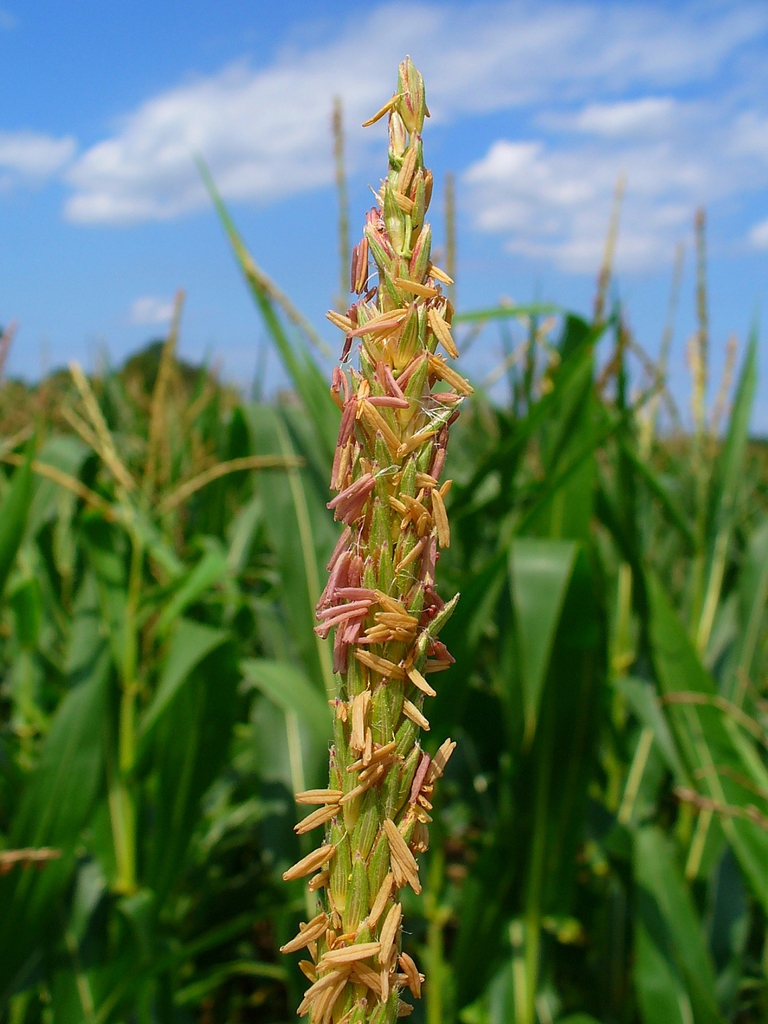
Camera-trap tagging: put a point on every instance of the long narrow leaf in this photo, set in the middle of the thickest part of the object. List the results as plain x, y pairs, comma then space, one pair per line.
13, 516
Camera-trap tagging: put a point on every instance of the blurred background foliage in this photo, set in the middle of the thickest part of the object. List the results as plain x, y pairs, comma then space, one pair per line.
600, 845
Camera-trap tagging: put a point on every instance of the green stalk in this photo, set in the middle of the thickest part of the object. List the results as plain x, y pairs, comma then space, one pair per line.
699, 368
517, 941
532, 920
635, 776
343, 197
649, 422
121, 804
450, 232
127, 735
81, 979
123, 823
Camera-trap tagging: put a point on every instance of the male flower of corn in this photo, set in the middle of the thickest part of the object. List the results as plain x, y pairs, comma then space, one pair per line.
380, 601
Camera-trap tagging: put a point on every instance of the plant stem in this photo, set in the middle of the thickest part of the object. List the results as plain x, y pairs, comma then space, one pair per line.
533, 901
122, 819
341, 191
450, 233
121, 806
635, 777
127, 735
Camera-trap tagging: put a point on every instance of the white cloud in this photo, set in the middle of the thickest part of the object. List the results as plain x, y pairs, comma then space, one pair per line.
630, 119
552, 199
750, 134
758, 235
151, 310
28, 156
263, 136
8, 21
264, 132
550, 196
551, 205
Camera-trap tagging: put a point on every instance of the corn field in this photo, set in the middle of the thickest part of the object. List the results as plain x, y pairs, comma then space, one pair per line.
599, 841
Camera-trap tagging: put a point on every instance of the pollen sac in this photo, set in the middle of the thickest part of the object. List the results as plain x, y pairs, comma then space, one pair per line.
359, 270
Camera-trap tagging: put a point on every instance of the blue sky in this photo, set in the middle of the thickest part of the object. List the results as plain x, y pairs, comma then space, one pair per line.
537, 108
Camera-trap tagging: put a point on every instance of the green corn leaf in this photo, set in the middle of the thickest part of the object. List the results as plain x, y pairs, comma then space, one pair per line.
565, 500
56, 802
157, 545
752, 598
730, 473
302, 534
462, 635
13, 516
27, 603
572, 380
67, 454
54, 808
309, 443
660, 491
540, 571
670, 918
562, 759
660, 992
298, 748
198, 989
711, 737
106, 547
288, 688
474, 316
188, 749
86, 639
241, 534
535, 866
644, 702
191, 643
497, 1003
727, 489
208, 571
